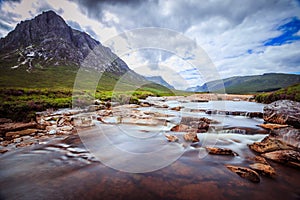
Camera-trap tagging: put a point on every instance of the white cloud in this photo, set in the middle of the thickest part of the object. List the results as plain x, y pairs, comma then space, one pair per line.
232, 33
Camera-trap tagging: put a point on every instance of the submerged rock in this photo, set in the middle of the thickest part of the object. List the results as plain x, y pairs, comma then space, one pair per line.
269, 144
245, 172
221, 151
264, 169
283, 112
191, 137
171, 138
289, 157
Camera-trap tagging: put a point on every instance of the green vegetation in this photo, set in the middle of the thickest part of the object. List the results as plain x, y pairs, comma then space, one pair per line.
252, 84
291, 93
23, 93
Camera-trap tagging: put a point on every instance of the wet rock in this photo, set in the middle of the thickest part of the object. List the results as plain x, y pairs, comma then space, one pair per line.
264, 169
26, 143
191, 137
180, 128
269, 144
145, 104
245, 172
5, 143
63, 121
171, 138
10, 127
283, 112
288, 157
20, 133
104, 113
3, 151
289, 135
255, 114
221, 151
83, 121
272, 126
92, 108
259, 159
177, 108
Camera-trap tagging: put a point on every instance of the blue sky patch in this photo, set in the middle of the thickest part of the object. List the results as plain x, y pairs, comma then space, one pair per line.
288, 35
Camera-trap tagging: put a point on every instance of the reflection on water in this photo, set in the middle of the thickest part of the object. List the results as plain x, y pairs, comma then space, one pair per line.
64, 169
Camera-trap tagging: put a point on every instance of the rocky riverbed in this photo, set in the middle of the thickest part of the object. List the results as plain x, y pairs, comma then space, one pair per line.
219, 151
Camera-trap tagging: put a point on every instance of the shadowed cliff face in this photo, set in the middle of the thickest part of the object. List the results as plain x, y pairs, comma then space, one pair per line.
48, 40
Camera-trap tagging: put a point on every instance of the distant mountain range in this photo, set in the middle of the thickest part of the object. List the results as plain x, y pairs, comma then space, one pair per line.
250, 84
159, 80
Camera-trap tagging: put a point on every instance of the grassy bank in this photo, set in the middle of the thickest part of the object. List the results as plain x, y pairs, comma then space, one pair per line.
291, 93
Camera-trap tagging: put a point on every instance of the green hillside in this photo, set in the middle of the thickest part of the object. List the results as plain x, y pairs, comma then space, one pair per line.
252, 84
291, 93
23, 93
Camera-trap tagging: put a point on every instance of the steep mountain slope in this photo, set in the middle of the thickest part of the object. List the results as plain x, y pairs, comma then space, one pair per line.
46, 52
159, 80
251, 84
47, 40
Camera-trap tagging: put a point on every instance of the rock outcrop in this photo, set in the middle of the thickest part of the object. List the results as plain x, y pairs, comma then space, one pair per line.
47, 40
283, 112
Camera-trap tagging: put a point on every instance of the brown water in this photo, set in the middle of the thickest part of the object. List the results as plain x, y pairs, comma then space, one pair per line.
65, 169
56, 171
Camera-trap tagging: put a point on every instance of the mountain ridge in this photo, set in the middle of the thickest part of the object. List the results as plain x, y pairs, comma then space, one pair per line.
160, 80
47, 40
250, 84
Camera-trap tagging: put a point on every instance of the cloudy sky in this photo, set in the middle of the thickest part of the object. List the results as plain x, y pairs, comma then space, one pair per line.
239, 37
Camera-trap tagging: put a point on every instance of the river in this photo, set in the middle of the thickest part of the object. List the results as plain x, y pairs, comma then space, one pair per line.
135, 161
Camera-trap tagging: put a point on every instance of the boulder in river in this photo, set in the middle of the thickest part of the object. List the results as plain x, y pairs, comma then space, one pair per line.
264, 169
283, 112
191, 137
289, 135
269, 144
180, 128
221, 151
245, 172
289, 157
171, 138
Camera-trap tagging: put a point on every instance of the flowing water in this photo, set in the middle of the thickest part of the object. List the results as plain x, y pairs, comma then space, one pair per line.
66, 169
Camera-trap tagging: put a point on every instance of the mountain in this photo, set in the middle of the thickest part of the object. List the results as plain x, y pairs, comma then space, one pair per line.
47, 40
46, 52
159, 80
250, 84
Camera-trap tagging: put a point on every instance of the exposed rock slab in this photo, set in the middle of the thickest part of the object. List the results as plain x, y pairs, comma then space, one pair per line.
283, 112
245, 172
289, 135
289, 157
221, 151
264, 169
191, 137
269, 144
21, 133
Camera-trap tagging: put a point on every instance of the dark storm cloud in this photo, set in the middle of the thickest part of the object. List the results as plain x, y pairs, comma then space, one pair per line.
178, 15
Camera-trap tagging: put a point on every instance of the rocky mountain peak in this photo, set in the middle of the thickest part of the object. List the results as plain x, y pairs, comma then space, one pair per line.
47, 40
